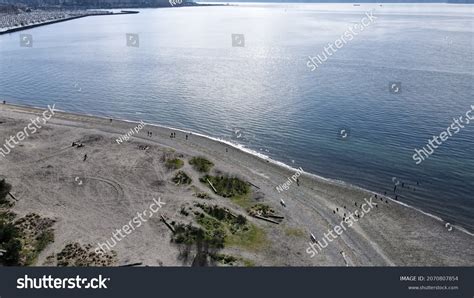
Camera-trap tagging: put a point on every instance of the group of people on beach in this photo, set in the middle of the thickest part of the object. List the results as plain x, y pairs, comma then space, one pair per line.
173, 136
79, 145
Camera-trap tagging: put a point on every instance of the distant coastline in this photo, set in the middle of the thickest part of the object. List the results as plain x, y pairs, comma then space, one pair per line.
106, 13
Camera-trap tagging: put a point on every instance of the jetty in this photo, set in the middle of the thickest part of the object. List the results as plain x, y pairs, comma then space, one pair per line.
14, 22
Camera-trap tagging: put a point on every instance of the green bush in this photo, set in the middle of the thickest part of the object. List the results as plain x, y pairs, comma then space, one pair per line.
212, 233
45, 238
9, 242
201, 164
12, 255
5, 188
227, 187
224, 259
203, 195
233, 223
181, 178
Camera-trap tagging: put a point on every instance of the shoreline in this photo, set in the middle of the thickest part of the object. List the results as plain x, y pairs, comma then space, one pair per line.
120, 179
106, 13
254, 153
123, 11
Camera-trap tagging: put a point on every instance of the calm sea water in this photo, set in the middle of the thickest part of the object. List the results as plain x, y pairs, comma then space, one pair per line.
186, 74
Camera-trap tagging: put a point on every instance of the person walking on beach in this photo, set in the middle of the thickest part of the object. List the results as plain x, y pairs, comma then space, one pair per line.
186, 137
85, 157
298, 181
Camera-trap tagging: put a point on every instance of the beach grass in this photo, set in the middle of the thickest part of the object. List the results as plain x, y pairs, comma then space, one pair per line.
45, 238
5, 188
226, 186
10, 242
294, 232
214, 230
174, 164
181, 178
37, 246
211, 233
220, 228
260, 209
201, 164
232, 260
224, 259
243, 201
248, 263
253, 239
203, 195
238, 231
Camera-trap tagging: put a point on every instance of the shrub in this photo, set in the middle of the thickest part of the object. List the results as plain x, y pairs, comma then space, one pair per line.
224, 259
233, 223
12, 255
45, 238
260, 209
5, 188
227, 187
201, 164
203, 195
181, 178
9, 242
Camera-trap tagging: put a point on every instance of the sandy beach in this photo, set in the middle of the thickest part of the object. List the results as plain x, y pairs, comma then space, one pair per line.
91, 198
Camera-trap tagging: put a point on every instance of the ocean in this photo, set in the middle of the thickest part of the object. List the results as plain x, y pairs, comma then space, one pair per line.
342, 121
